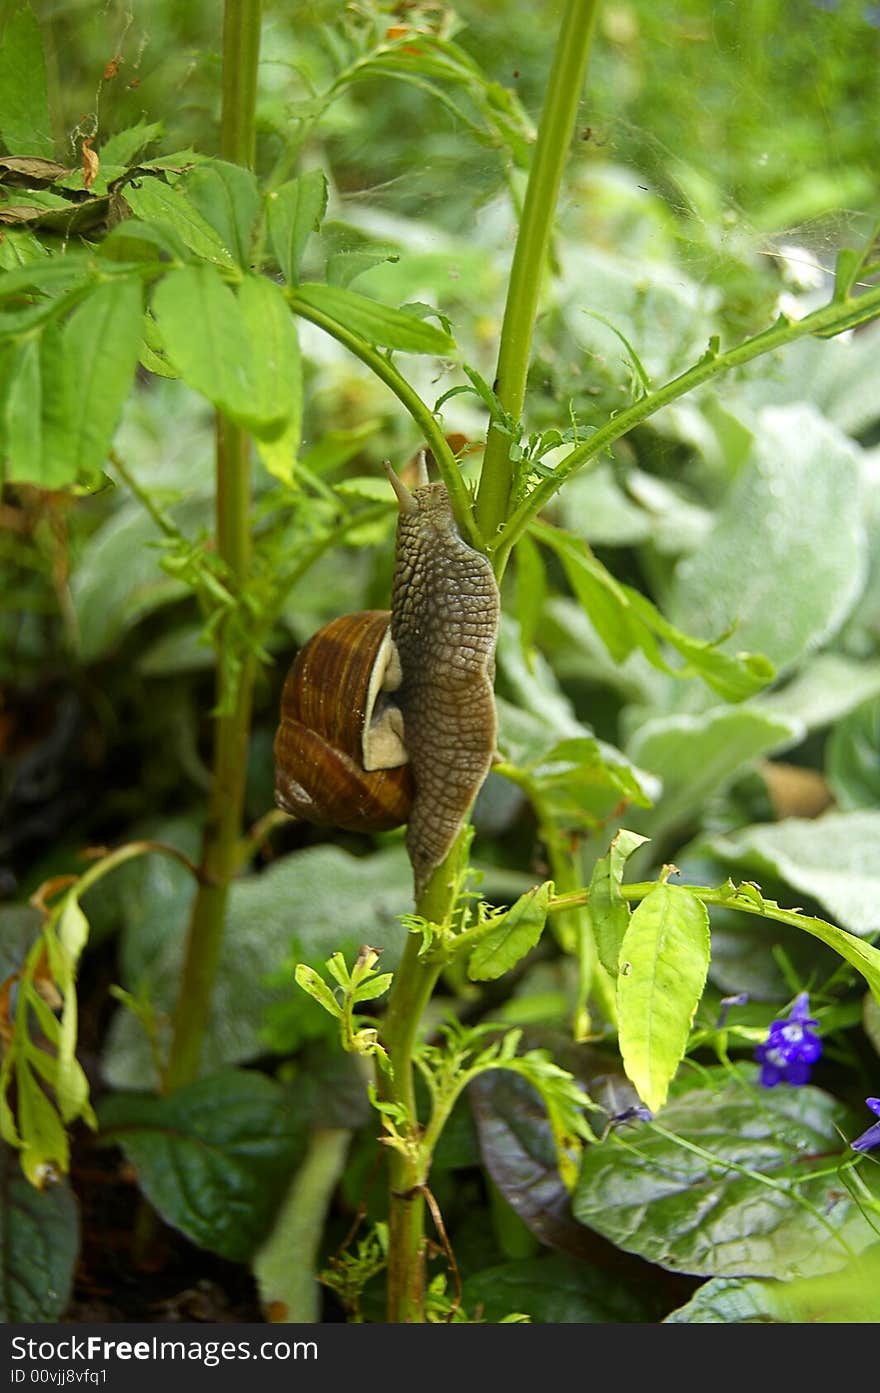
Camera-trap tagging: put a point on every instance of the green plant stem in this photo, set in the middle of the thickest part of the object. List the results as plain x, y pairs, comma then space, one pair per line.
530, 254
424, 418
220, 841
826, 320
414, 982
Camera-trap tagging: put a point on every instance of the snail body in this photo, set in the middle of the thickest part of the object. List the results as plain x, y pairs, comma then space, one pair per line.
445, 613
389, 719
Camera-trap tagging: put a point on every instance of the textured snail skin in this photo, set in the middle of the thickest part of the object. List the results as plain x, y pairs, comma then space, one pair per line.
445, 612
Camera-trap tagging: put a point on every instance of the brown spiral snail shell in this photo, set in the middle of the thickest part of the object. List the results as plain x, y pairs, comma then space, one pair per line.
390, 718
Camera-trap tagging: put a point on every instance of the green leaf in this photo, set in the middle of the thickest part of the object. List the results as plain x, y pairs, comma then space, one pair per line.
736, 1301
608, 911
214, 1158
852, 758
277, 372
313, 983
39, 1243
295, 211
832, 859
122, 147
24, 105
512, 936
739, 1182
156, 202
625, 619
664, 959
518, 1149
847, 268
531, 589
557, 1290
786, 557
102, 340
695, 755
826, 688
227, 197
44, 1147
70, 1082
120, 580
300, 909
378, 324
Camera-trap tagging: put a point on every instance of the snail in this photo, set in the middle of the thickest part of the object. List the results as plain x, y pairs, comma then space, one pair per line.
389, 718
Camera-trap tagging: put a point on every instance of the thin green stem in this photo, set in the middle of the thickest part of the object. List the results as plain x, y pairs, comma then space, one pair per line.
424, 418
530, 254
779, 335
221, 837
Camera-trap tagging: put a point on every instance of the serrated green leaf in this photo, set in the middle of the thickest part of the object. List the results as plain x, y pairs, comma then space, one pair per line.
214, 1157
295, 211
227, 197
39, 1242
609, 912
512, 936
157, 202
122, 147
102, 340
664, 960
24, 104
313, 983
378, 324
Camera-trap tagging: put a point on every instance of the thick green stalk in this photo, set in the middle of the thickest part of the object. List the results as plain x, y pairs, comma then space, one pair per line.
220, 843
530, 254
414, 982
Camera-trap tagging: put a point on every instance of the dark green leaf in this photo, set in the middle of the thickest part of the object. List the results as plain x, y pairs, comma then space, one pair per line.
301, 909
121, 148
39, 1242
556, 1290
664, 958
24, 104
214, 1158
711, 1211
378, 324
531, 589
512, 936
295, 211
519, 1152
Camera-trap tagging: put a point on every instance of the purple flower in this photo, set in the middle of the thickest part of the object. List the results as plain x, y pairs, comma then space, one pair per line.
868, 1140
791, 1047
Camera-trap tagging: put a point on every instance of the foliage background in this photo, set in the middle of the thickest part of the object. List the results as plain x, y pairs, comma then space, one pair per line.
725, 153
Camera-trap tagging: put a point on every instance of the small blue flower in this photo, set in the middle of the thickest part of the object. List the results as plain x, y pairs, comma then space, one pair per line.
868, 1140
791, 1048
